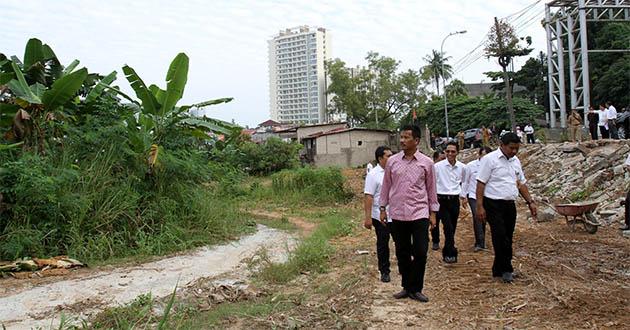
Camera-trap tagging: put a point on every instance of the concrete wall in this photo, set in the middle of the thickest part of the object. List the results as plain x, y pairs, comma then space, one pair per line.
349, 149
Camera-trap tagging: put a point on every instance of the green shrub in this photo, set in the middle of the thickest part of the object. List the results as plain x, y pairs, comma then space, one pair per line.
311, 185
268, 157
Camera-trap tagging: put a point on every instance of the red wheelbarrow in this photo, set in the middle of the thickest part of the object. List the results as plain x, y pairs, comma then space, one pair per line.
581, 212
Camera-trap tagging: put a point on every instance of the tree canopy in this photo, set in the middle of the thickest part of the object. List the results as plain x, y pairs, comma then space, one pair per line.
374, 96
436, 68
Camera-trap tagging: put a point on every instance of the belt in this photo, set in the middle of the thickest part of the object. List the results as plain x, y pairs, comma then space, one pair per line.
447, 197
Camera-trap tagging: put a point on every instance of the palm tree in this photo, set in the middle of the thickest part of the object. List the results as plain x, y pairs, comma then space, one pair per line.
433, 69
456, 88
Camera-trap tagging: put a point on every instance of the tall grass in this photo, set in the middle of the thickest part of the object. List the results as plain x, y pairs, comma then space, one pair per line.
105, 206
311, 186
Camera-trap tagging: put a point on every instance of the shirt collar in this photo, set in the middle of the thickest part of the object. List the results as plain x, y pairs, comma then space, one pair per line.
378, 168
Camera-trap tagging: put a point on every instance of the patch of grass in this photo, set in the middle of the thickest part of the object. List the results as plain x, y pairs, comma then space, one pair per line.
319, 186
246, 309
552, 190
135, 314
313, 253
579, 195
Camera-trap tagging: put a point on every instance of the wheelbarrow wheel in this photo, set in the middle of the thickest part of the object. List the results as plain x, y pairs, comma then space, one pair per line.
590, 223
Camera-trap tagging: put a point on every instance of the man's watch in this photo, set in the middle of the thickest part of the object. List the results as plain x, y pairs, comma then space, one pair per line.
382, 208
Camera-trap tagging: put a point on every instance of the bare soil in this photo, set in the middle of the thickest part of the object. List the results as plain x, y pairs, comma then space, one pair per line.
565, 279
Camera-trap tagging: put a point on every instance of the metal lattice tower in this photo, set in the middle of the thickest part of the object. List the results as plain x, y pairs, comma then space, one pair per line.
569, 20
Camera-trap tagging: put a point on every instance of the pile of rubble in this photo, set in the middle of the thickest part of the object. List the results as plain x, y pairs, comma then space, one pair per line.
572, 172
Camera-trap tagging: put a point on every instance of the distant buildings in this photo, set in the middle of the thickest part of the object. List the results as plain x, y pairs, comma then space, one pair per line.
297, 78
486, 89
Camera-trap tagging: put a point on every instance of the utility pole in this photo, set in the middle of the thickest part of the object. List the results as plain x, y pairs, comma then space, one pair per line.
504, 61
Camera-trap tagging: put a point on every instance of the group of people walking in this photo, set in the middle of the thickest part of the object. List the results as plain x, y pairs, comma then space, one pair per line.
408, 195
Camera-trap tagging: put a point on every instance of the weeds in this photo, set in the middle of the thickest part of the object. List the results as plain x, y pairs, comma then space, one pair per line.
313, 253
310, 185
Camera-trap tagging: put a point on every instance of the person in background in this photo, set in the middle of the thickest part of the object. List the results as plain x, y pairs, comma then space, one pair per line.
519, 133
372, 191
529, 133
575, 126
603, 122
469, 187
438, 156
368, 168
460, 140
485, 136
449, 174
593, 119
409, 191
626, 203
611, 115
499, 182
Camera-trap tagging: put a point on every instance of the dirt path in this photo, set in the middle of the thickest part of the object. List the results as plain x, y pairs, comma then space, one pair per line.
565, 280
26, 308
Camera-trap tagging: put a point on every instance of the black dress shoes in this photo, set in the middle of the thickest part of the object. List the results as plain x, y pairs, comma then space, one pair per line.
507, 277
418, 296
385, 278
402, 294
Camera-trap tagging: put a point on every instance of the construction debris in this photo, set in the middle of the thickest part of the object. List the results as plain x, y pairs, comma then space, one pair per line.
26, 268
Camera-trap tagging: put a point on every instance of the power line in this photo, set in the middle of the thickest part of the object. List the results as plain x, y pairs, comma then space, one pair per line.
524, 20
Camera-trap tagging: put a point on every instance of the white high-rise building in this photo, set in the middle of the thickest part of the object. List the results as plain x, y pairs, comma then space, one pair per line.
297, 77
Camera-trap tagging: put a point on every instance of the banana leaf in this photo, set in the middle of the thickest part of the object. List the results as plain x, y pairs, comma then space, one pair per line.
149, 102
185, 108
176, 78
33, 52
64, 89
6, 77
21, 88
36, 73
70, 67
209, 124
38, 89
100, 87
159, 93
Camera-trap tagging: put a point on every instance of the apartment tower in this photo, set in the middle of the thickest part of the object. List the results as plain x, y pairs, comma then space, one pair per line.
297, 78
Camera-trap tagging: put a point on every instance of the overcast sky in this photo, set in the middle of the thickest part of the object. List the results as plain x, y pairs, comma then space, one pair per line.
227, 40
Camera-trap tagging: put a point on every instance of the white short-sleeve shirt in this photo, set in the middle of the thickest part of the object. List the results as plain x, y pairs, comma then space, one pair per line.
449, 178
612, 113
373, 182
500, 175
470, 185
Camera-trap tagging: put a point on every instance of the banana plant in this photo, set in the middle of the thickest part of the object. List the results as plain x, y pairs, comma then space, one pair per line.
36, 89
158, 111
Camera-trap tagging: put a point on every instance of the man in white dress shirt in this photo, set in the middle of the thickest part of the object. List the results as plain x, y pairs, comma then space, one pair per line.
448, 173
470, 189
372, 191
611, 112
499, 181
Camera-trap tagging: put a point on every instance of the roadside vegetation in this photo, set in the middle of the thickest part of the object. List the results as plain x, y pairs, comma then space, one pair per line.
91, 172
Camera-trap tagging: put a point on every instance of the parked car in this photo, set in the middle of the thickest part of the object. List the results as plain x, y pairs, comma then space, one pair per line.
472, 138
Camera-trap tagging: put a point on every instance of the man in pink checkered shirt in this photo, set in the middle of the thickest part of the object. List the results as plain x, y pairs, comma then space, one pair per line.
409, 190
